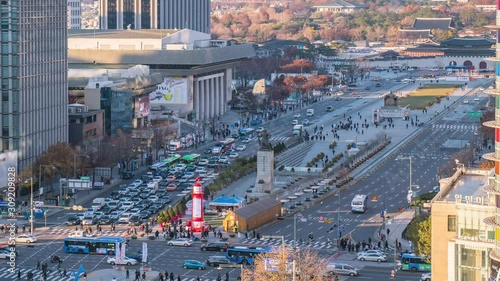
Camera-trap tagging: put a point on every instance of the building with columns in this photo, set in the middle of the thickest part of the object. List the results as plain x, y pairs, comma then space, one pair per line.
197, 71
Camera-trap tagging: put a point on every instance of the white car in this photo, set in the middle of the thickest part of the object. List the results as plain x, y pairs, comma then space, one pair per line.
295, 122
305, 122
246, 140
79, 233
7, 254
153, 198
372, 257
233, 155
426, 276
203, 162
371, 252
125, 261
241, 147
223, 159
296, 115
477, 99
125, 217
157, 178
466, 101
260, 129
24, 238
137, 182
180, 242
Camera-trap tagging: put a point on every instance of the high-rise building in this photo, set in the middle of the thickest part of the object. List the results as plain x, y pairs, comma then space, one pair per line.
34, 52
74, 14
124, 14
155, 14
180, 14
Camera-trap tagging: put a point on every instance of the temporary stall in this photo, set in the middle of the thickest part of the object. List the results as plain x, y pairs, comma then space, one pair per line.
252, 215
227, 202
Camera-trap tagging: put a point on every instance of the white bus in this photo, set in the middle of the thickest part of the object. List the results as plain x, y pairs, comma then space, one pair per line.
358, 203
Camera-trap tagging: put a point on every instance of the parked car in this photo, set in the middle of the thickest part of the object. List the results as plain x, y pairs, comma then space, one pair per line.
127, 175
372, 257
193, 264
233, 155
125, 261
180, 242
25, 238
73, 221
218, 260
215, 246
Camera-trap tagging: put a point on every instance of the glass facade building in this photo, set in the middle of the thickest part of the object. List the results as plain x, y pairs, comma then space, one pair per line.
33, 76
118, 110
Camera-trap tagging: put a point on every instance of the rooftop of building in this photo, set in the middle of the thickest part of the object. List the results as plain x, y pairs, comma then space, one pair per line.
468, 41
432, 23
121, 34
465, 189
341, 3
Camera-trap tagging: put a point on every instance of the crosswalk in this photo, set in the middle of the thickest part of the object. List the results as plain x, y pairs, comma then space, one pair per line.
7, 274
278, 139
457, 127
277, 242
66, 231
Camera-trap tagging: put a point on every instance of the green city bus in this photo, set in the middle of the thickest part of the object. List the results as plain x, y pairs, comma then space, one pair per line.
172, 161
415, 263
191, 159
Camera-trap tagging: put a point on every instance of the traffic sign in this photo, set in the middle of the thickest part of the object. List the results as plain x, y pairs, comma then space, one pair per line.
71, 274
343, 228
374, 198
321, 219
475, 113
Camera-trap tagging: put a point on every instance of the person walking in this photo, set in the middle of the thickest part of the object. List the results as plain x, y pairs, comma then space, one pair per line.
127, 274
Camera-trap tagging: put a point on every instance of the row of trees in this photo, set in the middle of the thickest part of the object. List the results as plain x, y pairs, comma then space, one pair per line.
172, 213
300, 21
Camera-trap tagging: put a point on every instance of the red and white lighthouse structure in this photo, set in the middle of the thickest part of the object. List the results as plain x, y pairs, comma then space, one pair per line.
198, 217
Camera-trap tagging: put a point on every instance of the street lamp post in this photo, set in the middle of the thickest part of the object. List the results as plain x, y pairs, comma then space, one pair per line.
339, 231
40, 179
410, 191
32, 207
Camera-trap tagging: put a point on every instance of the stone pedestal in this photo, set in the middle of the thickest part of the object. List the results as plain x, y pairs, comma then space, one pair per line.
265, 171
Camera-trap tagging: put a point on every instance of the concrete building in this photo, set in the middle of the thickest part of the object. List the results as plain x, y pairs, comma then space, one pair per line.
197, 77
74, 14
85, 126
461, 240
33, 77
154, 14
494, 188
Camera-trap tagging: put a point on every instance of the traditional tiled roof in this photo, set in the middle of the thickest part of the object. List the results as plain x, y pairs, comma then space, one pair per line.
432, 23
468, 41
410, 33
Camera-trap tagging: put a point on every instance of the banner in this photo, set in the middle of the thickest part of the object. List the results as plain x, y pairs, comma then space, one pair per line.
123, 251
117, 253
144, 252
80, 271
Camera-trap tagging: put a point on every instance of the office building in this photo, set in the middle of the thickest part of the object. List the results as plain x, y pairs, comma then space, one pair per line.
461, 239
74, 14
180, 14
155, 14
85, 126
33, 77
128, 14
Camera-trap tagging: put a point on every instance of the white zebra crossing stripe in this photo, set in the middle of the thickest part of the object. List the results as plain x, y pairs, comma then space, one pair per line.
5, 274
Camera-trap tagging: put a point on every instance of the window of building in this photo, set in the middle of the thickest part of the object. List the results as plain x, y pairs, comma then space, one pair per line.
452, 223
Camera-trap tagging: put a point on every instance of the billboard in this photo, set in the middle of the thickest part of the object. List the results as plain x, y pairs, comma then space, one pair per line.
173, 90
141, 107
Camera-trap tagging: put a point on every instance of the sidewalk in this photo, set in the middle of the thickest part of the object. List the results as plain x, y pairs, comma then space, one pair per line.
397, 225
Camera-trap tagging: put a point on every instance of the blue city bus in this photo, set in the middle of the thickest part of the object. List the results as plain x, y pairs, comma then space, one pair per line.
245, 255
247, 133
92, 245
415, 263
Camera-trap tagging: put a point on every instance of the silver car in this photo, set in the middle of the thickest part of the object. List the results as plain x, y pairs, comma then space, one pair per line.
89, 220
344, 269
180, 242
372, 257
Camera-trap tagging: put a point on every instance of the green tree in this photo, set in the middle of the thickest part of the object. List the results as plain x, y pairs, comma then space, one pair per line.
418, 232
171, 212
179, 209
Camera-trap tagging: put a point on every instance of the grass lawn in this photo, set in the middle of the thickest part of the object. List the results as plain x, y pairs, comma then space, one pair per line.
427, 95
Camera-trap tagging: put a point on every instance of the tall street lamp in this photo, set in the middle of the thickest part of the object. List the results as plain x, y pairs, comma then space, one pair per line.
339, 231
410, 191
40, 178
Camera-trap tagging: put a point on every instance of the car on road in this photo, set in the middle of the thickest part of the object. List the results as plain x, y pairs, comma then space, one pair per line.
260, 129
203, 162
343, 269
207, 151
180, 242
125, 261
89, 220
241, 147
79, 233
218, 260
223, 159
25, 238
425, 276
73, 221
246, 140
295, 122
371, 252
215, 246
338, 99
477, 99
466, 101
106, 219
305, 122
372, 257
135, 220
157, 178
296, 115
193, 264
329, 109
127, 175
5, 253
233, 155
